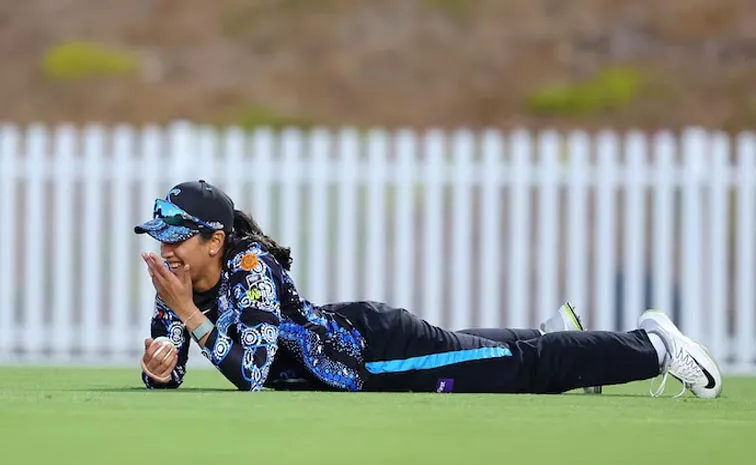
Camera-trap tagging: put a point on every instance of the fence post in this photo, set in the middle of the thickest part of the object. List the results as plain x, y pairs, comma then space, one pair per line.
519, 223
576, 221
119, 234
317, 231
35, 333
348, 150
663, 209
717, 271
744, 323
694, 144
605, 271
404, 206
375, 263
459, 271
434, 148
64, 165
490, 253
9, 288
634, 269
548, 225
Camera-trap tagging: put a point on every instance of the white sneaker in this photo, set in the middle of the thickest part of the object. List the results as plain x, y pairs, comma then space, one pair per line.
567, 319
687, 360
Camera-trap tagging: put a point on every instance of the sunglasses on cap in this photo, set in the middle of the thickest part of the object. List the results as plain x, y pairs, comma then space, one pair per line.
172, 215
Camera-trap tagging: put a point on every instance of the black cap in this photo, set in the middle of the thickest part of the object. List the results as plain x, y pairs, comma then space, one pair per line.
201, 204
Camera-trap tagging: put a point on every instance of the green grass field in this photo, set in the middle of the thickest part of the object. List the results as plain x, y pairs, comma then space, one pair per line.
81, 416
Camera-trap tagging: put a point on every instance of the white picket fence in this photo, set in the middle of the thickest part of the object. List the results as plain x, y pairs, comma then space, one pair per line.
463, 228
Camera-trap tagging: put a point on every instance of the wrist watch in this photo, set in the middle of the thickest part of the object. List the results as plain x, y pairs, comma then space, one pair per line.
202, 330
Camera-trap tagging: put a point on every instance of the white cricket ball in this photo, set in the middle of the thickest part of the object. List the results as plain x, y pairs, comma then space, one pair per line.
165, 343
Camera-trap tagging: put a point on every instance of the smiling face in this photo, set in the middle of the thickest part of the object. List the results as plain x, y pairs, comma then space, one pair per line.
202, 255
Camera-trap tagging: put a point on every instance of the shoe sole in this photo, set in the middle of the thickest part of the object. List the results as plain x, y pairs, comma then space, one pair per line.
569, 312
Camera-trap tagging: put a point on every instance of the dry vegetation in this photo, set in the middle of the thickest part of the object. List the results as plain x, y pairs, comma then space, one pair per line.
381, 62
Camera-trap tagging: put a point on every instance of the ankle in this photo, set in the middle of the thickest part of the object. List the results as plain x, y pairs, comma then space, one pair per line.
661, 344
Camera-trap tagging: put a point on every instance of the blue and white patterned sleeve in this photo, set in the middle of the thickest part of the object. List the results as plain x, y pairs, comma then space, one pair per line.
253, 292
166, 323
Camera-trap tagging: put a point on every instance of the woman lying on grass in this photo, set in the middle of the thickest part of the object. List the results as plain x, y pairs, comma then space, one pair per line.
224, 283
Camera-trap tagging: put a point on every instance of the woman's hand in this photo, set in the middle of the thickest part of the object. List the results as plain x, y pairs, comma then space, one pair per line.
159, 360
174, 288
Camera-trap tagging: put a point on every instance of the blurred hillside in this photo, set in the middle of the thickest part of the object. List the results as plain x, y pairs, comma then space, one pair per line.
381, 62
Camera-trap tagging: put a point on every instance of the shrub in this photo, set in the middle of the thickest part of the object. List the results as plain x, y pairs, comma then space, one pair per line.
85, 60
611, 89
255, 116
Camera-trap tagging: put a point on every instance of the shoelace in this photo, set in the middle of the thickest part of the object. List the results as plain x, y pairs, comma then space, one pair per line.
662, 386
685, 369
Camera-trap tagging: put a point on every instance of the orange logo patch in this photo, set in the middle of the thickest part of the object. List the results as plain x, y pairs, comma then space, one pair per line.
249, 261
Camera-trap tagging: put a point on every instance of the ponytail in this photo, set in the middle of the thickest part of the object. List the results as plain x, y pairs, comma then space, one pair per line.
245, 228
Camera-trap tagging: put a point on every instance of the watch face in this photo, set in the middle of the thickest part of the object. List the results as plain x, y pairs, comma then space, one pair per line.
201, 330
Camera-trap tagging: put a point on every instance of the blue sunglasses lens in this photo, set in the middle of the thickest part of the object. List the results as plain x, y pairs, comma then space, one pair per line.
172, 215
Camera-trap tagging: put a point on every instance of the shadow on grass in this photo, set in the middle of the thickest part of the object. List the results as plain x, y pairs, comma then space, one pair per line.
142, 389
616, 395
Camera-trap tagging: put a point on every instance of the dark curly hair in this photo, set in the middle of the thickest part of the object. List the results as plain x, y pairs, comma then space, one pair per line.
247, 230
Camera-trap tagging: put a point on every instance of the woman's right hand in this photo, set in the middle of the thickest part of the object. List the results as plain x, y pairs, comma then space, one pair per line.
159, 360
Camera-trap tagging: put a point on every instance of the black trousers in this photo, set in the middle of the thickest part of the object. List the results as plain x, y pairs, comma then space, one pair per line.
406, 353
505, 335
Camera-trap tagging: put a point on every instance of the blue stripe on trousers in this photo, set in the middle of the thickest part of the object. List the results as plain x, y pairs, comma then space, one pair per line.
431, 361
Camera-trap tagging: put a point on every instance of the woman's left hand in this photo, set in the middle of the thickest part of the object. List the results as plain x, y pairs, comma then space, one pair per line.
174, 289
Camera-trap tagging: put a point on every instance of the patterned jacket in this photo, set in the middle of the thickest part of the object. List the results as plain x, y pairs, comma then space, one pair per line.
260, 319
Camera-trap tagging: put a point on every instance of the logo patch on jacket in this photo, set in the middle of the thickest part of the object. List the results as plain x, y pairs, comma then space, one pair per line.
249, 261
445, 385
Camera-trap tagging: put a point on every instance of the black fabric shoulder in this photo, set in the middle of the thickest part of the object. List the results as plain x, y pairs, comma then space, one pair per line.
240, 247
